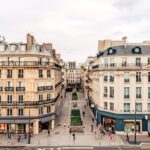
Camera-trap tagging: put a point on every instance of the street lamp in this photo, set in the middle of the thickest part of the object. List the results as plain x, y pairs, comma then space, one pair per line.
29, 129
135, 125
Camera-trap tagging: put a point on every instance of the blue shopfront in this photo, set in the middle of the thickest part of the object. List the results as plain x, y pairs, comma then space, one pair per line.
120, 122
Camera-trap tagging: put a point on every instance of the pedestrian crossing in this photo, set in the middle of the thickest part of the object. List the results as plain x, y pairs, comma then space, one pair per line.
67, 148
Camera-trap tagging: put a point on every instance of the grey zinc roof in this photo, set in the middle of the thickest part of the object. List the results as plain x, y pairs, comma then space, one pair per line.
127, 51
33, 51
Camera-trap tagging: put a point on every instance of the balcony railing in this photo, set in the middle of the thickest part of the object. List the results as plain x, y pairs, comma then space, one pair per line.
29, 103
119, 65
9, 88
20, 88
49, 87
29, 63
41, 88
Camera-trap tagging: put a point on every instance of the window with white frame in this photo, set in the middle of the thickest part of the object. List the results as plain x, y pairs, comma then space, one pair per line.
111, 92
111, 106
126, 77
138, 61
112, 64
126, 107
138, 76
126, 92
105, 91
138, 92
148, 107
105, 105
124, 61
139, 107
106, 62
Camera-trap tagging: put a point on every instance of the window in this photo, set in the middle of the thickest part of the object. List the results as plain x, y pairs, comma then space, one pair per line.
105, 105
106, 62
124, 61
9, 73
105, 76
148, 107
48, 73
0, 98
40, 73
111, 77
148, 76
126, 92
126, 107
40, 98
138, 92
126, 77
112, 106
9, 84
138, 61
48, 109
9, 112
20, 112
20, 98
48, 96
0, 73
40, 110
148, 92
20, 73
139, 107
111, 92
138, 76
9, 98
148, 61
112, 62
105, 91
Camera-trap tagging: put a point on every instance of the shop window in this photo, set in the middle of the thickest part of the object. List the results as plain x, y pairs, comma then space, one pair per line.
112, 106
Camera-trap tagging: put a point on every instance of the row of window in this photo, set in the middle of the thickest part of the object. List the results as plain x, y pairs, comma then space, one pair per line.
9, 73
21, 111
127, 107
126, 77
124, 62
21, 98
126, 92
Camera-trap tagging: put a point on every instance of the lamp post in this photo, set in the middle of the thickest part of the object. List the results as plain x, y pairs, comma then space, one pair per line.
29, 129
135, 125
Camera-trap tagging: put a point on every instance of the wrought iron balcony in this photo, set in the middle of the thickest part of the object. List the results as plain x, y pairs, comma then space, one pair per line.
20, 88
49, 87
9, 88
41, 88
29, 63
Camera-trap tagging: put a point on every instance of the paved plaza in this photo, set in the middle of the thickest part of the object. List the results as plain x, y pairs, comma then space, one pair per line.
60, 136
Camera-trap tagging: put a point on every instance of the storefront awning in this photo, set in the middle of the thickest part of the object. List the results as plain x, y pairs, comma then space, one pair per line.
47, 119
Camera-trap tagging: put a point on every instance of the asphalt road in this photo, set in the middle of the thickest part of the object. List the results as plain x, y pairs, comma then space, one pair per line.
76, 148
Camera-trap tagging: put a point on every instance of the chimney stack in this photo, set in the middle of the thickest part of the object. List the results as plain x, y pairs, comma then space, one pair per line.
30, 41
48, 46
124, 39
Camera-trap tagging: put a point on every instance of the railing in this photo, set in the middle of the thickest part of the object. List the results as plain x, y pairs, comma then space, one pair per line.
29, 63
119, 65
57, 84
29, 103
49, 87
20, 88
9, 88
41, 88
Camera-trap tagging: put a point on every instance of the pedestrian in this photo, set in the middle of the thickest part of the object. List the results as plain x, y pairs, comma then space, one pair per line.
93, 119
48, 132
91, 128
65, 124
74, 136
127, 138
25, 135
19, 138
70, 130
83, 113
85, 106
81, 122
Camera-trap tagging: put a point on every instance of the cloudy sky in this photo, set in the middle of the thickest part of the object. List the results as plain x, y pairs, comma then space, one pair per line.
75, 26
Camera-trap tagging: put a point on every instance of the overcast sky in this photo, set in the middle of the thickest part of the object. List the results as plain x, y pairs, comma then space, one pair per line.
75, 26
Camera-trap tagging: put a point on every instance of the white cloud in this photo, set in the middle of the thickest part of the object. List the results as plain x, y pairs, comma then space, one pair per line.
75, 26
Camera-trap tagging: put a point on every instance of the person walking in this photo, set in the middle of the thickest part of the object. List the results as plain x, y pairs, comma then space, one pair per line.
92, 128
74, 136
83, 113
127, 138
93, 119
48, 132
19, 138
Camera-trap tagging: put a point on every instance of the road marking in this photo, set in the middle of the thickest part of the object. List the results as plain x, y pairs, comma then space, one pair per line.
77, 147
55, 148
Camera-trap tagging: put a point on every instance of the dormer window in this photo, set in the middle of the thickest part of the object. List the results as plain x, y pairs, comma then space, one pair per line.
136, 50
111, 51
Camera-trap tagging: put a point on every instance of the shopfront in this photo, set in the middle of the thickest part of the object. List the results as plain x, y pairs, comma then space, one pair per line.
109, 123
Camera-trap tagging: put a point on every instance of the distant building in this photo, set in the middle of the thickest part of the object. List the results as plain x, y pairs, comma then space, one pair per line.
73, 73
